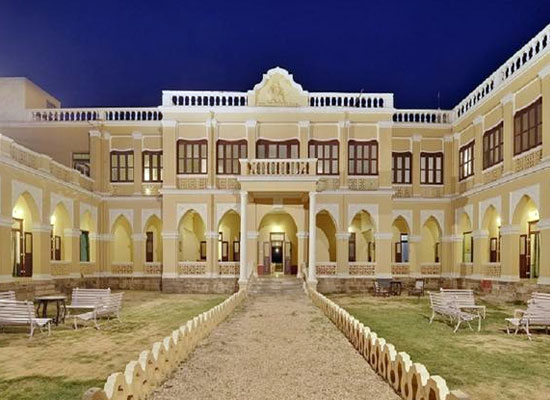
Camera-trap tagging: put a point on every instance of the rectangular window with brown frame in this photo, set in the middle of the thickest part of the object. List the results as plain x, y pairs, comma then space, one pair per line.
528, 127
122, 166
362, 157
152, 166
270, 149
466, 161
402, 167
327, 155
492, 146
431, 168
192, 156
228, 154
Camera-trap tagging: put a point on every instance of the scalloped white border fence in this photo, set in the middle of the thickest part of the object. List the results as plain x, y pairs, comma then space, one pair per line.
411, 381
142, 376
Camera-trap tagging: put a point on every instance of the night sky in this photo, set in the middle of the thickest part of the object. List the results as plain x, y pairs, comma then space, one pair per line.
110, 53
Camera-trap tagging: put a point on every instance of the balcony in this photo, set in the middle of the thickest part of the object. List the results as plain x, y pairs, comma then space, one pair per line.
287, 175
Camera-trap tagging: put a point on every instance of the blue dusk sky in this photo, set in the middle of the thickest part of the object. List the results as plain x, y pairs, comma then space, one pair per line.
111, 53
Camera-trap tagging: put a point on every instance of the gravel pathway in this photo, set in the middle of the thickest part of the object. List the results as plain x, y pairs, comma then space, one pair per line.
276, 346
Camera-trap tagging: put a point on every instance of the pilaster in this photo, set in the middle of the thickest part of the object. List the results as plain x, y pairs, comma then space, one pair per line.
343, 136
478, 150
169, 154
385, 129
507, 103
544, 76
138, 164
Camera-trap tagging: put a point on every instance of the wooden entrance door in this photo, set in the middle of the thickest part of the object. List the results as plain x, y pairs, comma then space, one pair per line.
149, 246
398, 252
27, 260
523, 256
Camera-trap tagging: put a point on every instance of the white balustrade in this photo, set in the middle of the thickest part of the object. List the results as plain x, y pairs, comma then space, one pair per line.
423, 116
278, 167
351, 100
527, 55
204, 98
95, 114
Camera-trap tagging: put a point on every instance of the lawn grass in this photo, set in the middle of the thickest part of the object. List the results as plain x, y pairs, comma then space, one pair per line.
488, 365
64, 365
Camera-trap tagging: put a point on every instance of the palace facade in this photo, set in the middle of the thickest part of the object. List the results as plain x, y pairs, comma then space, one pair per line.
208, 188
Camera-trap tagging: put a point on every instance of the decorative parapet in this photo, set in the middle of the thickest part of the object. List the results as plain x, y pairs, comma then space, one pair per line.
363, 183
152, 268
423, 116
227, 183
11, 150
430, 269
403, 191
196, 98
493, 173
466, 269
229, 267
362, 268
351, 100
142, 376
492, 270
122, 268
94, 114
396, 368
527, 55
400, 268
192, 182
328, 183
192, 267
427, 191
60, 268
527, 160
326, 268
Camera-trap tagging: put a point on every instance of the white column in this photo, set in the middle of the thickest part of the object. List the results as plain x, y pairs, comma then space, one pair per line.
243, 276
312, 273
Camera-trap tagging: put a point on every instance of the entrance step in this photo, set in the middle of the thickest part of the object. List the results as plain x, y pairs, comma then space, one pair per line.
276, 286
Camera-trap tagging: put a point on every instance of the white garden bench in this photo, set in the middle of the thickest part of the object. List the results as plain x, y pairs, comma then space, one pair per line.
465, 300
537, 315
447, 307
106, 306
13, 312
9, 295
87, 299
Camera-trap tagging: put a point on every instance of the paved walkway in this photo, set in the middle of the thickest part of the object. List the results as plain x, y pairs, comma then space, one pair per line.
276, 346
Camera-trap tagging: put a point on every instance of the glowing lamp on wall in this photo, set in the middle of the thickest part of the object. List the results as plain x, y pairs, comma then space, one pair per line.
17, 213
52, 220
533, 215
499, 221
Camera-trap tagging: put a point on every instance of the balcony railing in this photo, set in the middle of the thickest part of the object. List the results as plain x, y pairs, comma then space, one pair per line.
279, 167
423, 116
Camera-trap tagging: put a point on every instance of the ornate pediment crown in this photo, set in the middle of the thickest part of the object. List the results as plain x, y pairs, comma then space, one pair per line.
278, 89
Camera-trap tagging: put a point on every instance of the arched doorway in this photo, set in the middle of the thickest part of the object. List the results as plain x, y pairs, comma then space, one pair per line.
400, 235
192, 241
60, 247
526, 217
229, 230
87, 247
491, 224
122, 250
465, 228
24, 214
430, 245
278, 244
153, 243
325, 246
362, 246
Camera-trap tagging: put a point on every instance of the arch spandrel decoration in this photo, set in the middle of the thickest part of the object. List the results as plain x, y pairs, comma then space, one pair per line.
223, 208
496, 202
332, 208
372, 209
84, 207
532, 191
406, 215
18, 188
147, 213
278, 89
200, 208
126, 213
55, 199
439, 216
468, 209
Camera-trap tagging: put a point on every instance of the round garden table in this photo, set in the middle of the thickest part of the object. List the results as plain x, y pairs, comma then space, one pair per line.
60, 302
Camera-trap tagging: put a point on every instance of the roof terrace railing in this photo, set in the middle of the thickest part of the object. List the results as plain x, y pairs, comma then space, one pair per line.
95, 114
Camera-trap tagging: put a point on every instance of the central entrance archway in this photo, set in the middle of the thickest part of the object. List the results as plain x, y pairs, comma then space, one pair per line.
278, 244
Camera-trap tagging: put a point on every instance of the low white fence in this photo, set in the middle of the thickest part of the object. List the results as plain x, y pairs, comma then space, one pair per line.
410, 380
142, 376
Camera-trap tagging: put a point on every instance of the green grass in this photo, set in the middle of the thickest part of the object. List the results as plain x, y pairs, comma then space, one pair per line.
67, 363
487, 365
